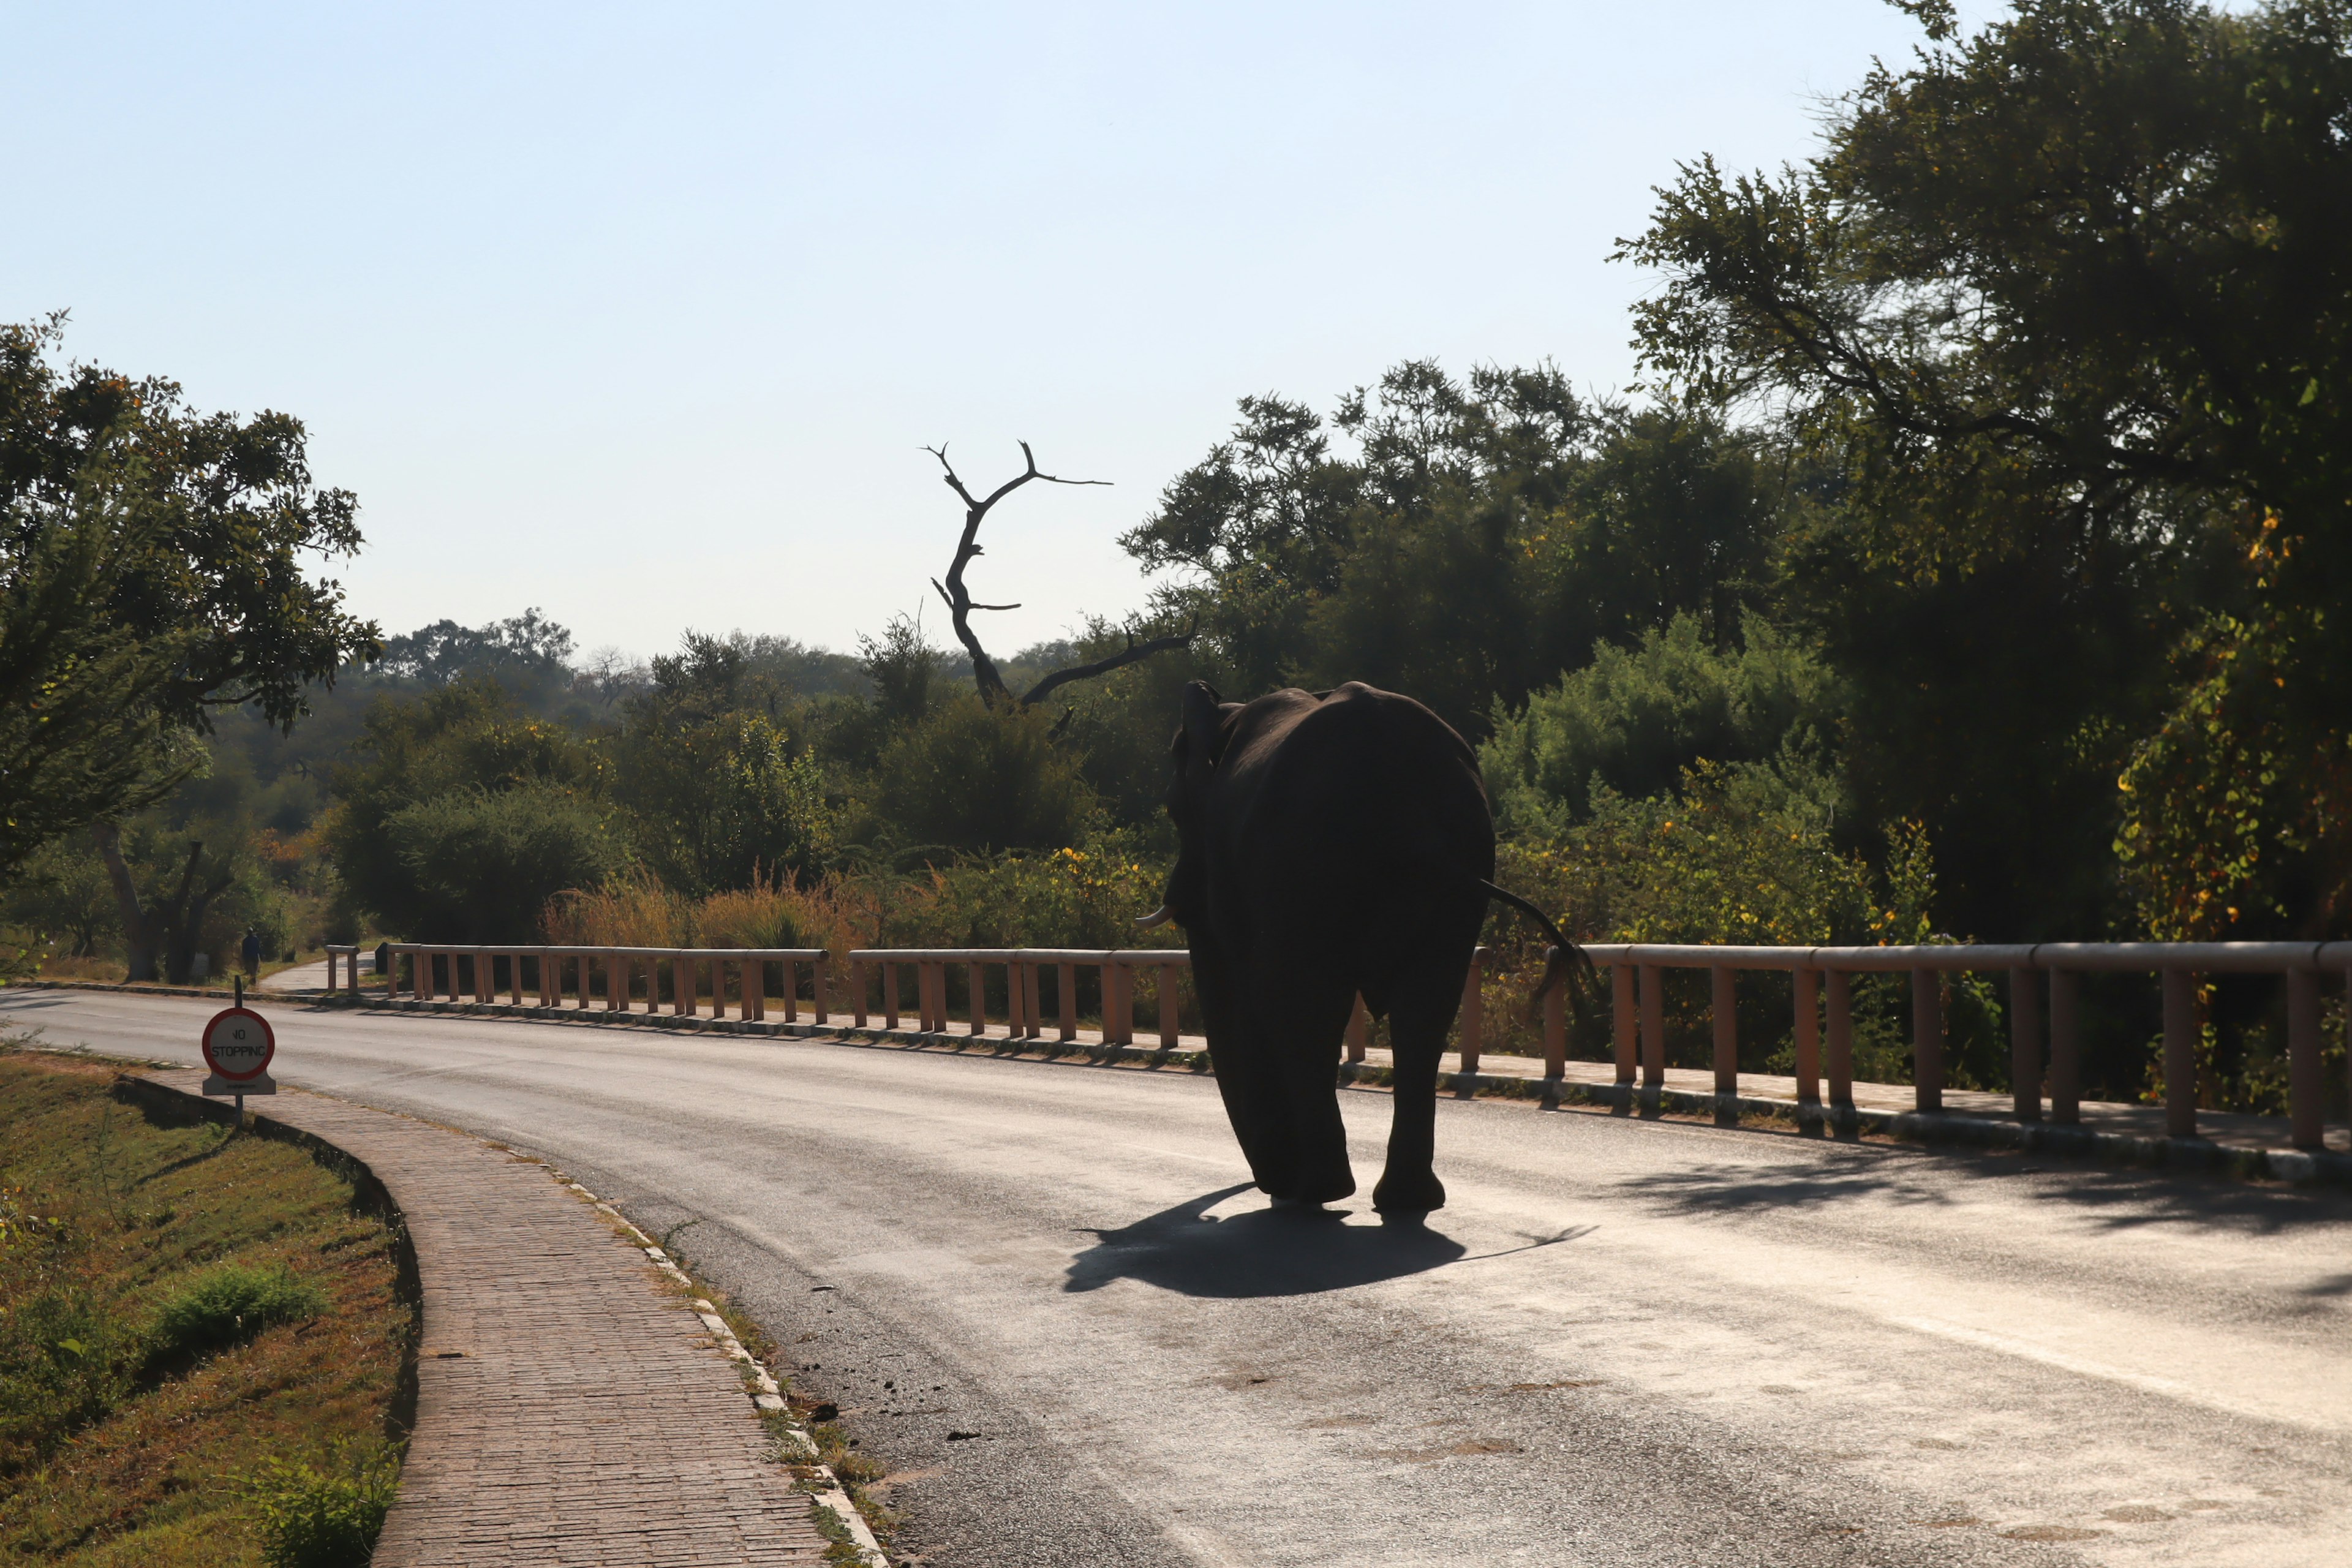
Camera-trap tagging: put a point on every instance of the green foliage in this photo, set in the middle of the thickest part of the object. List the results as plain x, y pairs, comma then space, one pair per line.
66, 1358
1479, 540
1635, 718
227, 1306
1080, 896
423, 836
1739, 855
972, 778
326, 1515
2061, 309
483, 863
149, 576
719, 783
61, 899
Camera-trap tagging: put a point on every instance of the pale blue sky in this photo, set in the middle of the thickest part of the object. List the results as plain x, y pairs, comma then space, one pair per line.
642, 313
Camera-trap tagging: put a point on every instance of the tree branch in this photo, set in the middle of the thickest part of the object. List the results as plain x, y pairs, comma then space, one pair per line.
993, 689
1133, 653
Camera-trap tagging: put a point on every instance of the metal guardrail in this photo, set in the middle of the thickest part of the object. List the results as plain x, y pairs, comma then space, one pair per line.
1821, 1002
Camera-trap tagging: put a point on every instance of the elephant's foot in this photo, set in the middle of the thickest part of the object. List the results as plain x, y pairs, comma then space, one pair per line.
1312, 1192
1409, 1192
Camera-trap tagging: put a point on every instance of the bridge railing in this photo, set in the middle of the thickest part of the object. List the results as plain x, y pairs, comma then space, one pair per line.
558, 975
2044, 986
1026, 1014
347, 958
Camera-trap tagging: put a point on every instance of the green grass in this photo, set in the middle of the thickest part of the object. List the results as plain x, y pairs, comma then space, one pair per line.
202, 1339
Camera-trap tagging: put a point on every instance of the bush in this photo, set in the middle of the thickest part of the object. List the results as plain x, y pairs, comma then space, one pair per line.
1636, 717
65, 1362
329, 1518
482, 866
228, 1306
970, 778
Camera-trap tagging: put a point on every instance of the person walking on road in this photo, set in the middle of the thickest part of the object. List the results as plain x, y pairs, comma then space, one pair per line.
251, 951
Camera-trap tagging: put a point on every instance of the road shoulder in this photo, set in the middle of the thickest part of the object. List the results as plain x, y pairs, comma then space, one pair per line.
567, 1409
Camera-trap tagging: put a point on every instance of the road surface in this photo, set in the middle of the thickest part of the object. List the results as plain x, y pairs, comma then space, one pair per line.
1042, 1292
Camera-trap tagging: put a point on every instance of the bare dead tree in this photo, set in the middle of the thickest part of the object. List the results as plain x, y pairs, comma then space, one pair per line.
960, 605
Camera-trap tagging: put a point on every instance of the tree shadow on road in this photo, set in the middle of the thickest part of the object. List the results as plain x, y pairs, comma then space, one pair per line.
1265, 1252
2109, 1196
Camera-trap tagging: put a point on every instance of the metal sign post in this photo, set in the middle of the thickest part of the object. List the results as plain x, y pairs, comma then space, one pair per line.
238, 1046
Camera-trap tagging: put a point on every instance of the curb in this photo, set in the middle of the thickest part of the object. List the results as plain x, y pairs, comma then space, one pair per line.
143, 990
767, 1397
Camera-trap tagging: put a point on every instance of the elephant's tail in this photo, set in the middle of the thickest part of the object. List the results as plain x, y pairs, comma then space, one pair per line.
1565, 954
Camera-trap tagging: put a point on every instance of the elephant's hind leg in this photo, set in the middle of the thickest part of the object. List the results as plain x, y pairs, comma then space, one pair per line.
1417, 1021
1301, 1033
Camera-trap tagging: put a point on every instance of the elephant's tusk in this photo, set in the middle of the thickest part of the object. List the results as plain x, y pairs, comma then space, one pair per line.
1157, 918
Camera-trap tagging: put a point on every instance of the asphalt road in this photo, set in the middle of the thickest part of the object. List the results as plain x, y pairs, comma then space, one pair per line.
1042, 1293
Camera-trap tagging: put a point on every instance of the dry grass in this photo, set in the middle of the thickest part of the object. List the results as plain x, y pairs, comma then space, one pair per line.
112, 1449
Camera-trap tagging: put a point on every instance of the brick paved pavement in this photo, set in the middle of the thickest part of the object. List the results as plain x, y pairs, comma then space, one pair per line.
567, 1412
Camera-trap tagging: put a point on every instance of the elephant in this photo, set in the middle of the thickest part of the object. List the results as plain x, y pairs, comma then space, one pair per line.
1330, 843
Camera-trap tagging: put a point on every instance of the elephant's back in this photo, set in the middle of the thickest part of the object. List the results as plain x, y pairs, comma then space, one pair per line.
1354, 814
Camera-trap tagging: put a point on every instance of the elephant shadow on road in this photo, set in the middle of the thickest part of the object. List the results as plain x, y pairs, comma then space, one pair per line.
1263, 1252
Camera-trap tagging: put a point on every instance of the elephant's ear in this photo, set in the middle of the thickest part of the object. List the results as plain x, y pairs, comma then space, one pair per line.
1202, 720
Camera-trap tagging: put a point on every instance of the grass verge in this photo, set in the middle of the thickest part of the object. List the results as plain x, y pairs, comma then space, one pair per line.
204, 1338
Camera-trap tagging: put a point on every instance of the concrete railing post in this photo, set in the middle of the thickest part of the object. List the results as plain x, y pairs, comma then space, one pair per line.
1016, 1000
2305, 1082
1625, 1027
2180, 1053
1555, 1028
514, 978
1359, 1029
1723, 1005
2065, 1047
1118, 1005
819, 992
1928, 1040
1168, 1038
486, 989
1808, 986
1066, 981
1837, 1022
978, 982
889, 995
683, 1002
1654, 1032
1032, 1004
2024, 1044
1473, 1012
857, 990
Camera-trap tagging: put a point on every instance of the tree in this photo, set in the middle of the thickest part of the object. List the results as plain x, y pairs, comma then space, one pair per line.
415, 830
959, 603
2076, 293
722, 785
150, 578
1483, 536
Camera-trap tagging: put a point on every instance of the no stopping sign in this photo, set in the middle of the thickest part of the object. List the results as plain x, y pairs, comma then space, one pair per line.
239, 1045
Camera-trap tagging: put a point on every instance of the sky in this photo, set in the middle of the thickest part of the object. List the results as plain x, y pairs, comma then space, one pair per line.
643, 315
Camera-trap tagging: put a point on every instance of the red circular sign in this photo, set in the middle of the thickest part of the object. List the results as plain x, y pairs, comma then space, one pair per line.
238, 1044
